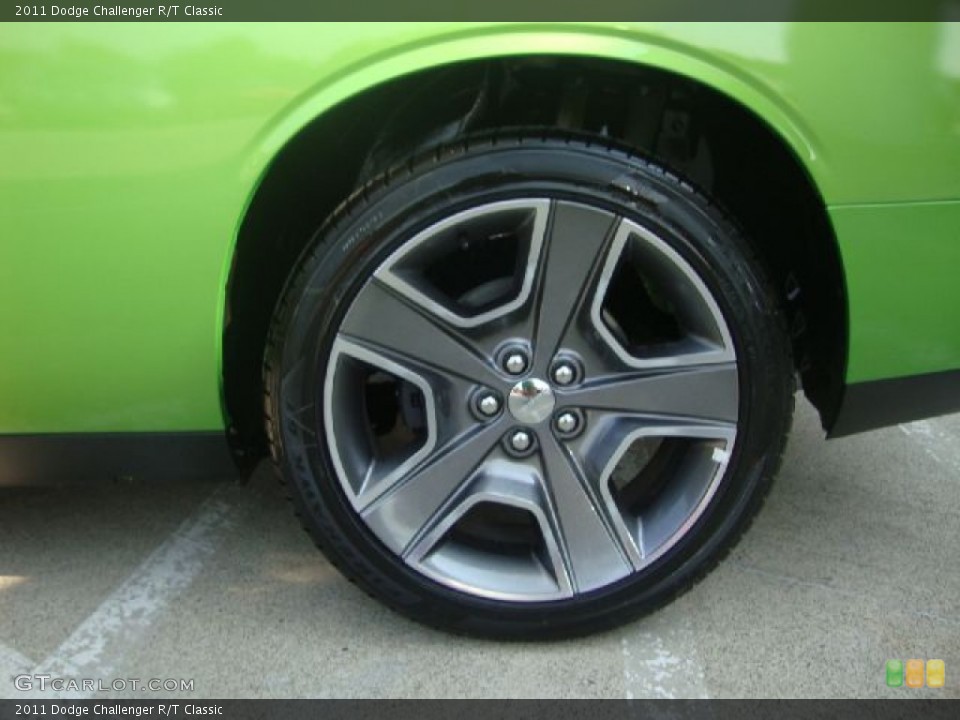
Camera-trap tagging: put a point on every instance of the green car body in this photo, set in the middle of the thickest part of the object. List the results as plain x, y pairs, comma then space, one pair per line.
131, 155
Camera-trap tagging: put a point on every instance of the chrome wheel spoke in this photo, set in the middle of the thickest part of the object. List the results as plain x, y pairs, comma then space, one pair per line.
695, 455
522, 221
610, 434
639, 259
395, 326
568, 268
500, 482
591, 545
700, 393
414, 505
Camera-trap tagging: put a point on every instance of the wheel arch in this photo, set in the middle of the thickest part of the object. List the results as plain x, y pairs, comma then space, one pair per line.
631, 47
334, 105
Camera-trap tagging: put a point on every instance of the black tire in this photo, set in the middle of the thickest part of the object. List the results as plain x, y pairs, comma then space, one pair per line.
382, 216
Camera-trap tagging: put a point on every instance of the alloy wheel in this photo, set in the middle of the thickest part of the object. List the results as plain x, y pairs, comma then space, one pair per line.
531, 399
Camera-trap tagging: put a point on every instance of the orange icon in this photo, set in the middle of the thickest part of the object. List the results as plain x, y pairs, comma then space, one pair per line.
936, 672
915, 673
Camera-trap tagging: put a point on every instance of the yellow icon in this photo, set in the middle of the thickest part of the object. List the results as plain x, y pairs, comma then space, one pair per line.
915, 673
936, 673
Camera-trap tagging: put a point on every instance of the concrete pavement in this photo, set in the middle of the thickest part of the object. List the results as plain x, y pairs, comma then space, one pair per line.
853, 560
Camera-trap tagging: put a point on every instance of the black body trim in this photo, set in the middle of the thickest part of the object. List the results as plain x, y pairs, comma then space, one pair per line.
879, 403
77, 458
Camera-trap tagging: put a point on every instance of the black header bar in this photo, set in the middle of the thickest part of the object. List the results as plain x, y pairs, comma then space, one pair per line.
424, 10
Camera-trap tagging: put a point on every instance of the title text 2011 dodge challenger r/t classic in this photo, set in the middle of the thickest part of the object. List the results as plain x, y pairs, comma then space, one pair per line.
517, 310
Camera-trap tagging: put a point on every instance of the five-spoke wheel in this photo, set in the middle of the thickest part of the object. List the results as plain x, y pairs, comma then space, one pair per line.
522, 401
582, 387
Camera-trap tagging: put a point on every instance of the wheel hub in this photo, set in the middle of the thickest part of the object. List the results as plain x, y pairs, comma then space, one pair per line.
531, 401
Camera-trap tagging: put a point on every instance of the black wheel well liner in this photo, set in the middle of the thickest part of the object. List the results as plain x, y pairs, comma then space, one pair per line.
705, 136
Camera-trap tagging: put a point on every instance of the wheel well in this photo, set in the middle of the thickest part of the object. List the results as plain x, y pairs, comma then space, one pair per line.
697, 132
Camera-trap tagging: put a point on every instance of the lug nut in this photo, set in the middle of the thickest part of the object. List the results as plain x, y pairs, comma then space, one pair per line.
567, 423
521, 441
515, 363
488, 404
564, 374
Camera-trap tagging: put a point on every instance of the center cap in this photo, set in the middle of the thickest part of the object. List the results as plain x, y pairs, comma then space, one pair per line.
531, 401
